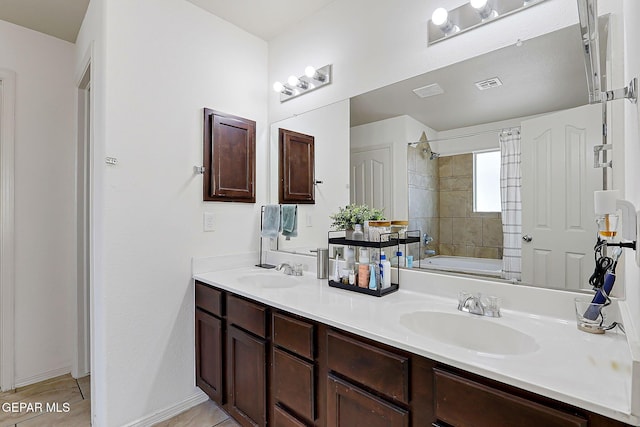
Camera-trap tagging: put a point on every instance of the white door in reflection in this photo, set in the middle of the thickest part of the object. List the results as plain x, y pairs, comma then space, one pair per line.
371, 178
558, 181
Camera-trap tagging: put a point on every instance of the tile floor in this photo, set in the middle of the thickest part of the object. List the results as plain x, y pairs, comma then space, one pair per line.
69, 405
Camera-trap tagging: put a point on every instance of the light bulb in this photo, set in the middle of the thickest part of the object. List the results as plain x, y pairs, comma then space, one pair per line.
293, 81
440, 16
277, 86
478, 4
310, 71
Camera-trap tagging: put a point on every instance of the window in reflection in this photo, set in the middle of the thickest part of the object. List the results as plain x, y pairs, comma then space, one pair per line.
486, 181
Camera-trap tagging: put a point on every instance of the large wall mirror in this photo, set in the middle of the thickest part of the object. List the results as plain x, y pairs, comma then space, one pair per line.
440, 157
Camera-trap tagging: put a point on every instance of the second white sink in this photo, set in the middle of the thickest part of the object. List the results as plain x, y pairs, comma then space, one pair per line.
470, 332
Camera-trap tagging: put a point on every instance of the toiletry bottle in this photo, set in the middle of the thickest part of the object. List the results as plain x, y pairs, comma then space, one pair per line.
401, 260
350, 258
409, 259
358, 234
372, 277
336, 269
364, 256
363, 275
385, 271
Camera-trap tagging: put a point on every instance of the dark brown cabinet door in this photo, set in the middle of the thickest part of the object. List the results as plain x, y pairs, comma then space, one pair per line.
349, 406
294, 384
229, 158
209, 354
296, 167
246, 378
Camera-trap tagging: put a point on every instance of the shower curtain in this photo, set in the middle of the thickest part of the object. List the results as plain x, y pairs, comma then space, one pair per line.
511, 203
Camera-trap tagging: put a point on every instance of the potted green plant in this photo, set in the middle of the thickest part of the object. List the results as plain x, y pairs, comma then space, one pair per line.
346, 218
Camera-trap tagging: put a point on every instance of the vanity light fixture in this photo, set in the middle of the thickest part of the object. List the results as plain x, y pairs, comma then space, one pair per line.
311, 80
447, 23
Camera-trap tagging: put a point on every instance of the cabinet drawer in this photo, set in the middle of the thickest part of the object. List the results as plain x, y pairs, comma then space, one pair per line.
294, 383
348, 405
282, 418
381, 370
247, 315
293, 334
463, 402
209, 299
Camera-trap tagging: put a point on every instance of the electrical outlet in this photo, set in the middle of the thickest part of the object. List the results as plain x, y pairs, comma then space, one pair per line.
338, 251
209, 221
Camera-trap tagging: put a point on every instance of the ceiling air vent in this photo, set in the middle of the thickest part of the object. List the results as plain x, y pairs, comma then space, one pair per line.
428, 90
488, 83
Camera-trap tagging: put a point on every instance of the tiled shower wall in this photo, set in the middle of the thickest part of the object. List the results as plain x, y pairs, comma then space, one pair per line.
462, 231
424, 209
441, 204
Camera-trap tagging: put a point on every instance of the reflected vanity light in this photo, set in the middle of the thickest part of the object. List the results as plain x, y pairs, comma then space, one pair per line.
311, 80
447, 23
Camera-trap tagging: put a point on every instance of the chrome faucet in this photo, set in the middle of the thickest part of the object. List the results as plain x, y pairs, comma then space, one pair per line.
474, 305
287, 269
426, 239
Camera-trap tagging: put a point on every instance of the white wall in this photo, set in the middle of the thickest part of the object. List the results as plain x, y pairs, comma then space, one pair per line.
159, 62
330, 127
44, 199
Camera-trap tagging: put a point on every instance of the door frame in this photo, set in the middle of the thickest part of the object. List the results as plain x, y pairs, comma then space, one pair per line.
7, 236
82, 291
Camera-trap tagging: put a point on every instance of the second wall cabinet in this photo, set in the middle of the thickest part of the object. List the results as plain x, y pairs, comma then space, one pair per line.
297, 163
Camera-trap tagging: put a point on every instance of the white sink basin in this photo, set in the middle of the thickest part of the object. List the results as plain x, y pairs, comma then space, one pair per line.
469, 331
270, 280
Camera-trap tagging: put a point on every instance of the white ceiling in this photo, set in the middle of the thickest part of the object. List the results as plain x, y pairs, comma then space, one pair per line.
544, 74
265, 19
63, 18
58, 18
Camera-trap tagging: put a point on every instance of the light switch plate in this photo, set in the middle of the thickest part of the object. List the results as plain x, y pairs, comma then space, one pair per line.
209, 221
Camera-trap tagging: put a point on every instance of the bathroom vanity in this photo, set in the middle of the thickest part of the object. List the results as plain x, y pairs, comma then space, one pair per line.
291, 351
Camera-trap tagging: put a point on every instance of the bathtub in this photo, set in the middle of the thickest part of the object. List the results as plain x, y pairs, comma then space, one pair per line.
458, 264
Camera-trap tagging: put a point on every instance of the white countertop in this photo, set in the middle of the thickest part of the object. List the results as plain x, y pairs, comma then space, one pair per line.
593, 372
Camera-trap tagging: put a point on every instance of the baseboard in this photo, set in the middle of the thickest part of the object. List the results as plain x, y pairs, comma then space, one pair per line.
195, 399
21, 382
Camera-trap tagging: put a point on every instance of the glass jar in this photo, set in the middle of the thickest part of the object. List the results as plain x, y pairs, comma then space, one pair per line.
379, 231
400, 227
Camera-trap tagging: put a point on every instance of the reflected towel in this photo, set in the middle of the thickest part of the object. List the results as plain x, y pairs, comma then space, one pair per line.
271, 221
289, 221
